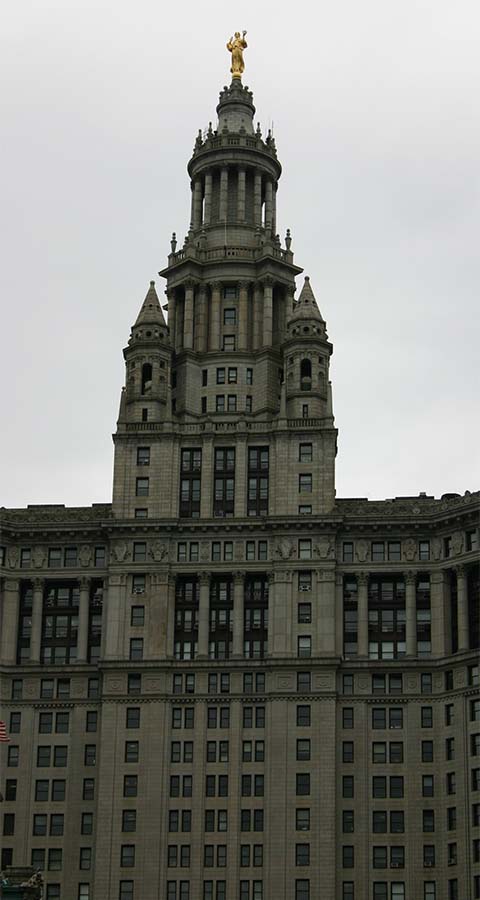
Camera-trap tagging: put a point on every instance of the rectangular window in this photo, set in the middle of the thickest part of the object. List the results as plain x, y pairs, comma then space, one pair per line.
305, 549
424, 550
142, 487
224, 481
228, 343
378, 551
305, 483
305, 453
348, 552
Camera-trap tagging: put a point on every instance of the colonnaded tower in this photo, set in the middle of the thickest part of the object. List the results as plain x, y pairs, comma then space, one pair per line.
230, 684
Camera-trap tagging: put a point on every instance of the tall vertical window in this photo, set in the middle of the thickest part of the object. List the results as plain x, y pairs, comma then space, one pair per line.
221, 611
190, 480
224, 481
350, 617
95, 621
256, 617
424, 616
186, 618
386, 617
257, 502
60, 623
25, 623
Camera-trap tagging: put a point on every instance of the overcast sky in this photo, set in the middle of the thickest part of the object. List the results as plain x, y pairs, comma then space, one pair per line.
376, 120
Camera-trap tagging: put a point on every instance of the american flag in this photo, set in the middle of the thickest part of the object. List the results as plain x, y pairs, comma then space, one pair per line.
4, 739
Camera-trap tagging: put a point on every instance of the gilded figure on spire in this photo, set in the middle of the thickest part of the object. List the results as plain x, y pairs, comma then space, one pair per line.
237, 45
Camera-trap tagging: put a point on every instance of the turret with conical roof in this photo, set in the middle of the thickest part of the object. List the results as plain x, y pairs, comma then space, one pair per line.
307, 350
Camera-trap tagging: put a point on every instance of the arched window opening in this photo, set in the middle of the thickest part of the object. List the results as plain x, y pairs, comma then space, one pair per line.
146, 378
305, 375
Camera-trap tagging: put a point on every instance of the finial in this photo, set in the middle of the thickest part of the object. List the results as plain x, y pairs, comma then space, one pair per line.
259, 132
210, 129
236, 45
173, 242
152, 284
288, 239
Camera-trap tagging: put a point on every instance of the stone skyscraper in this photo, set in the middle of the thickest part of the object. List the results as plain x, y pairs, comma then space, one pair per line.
230, 684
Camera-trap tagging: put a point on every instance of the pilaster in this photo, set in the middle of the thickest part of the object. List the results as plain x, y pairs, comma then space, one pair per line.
462, 608
203, 615
37, 617
10, 613
411, 612
83, 613
238, 613
362, 617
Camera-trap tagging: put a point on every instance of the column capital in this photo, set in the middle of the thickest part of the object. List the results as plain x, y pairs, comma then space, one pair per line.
244, 283
238, 577
202, 289
11, 584
410, 576
271, 577
204, 578
460, 571
216, 285
362, 578
38, 584
267, 280
85, 582
190, 283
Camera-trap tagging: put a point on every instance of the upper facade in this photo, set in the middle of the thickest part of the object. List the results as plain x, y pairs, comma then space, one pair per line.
241, 362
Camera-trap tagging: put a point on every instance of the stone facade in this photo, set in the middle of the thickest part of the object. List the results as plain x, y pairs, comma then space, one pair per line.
230, 684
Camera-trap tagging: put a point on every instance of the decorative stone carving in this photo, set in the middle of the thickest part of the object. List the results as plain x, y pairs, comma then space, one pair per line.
411, 682
324, 682
284, 548
159, 551
119, 551
85, 555
325, 548
409, 550
457, 543
361, 550
12, 557
39, 557
285, 682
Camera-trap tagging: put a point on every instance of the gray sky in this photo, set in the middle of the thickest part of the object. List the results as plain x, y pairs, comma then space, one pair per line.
375, 111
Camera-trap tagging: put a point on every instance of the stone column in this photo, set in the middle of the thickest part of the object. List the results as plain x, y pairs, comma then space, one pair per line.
223, 194
271, 612
238, 613
171, 616
325, 606
179, 316
281, 640
208, 199
197, 203
362, 614
257, 315
462, 608
267, 311
441, 646
37, 617
411, 612
171, 316
241, 195
191, 206
268, 205
9, 619
203, 615
103, 638
206, 487
339, 614
188, 315
158, 616
202, 331
83, 612
257, 199
215, 309
115, 619
274, 208
243, 316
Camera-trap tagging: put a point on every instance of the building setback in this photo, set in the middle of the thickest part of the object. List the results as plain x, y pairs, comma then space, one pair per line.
229, 684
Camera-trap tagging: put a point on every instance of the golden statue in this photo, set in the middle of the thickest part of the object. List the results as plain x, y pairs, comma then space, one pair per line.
237, 45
